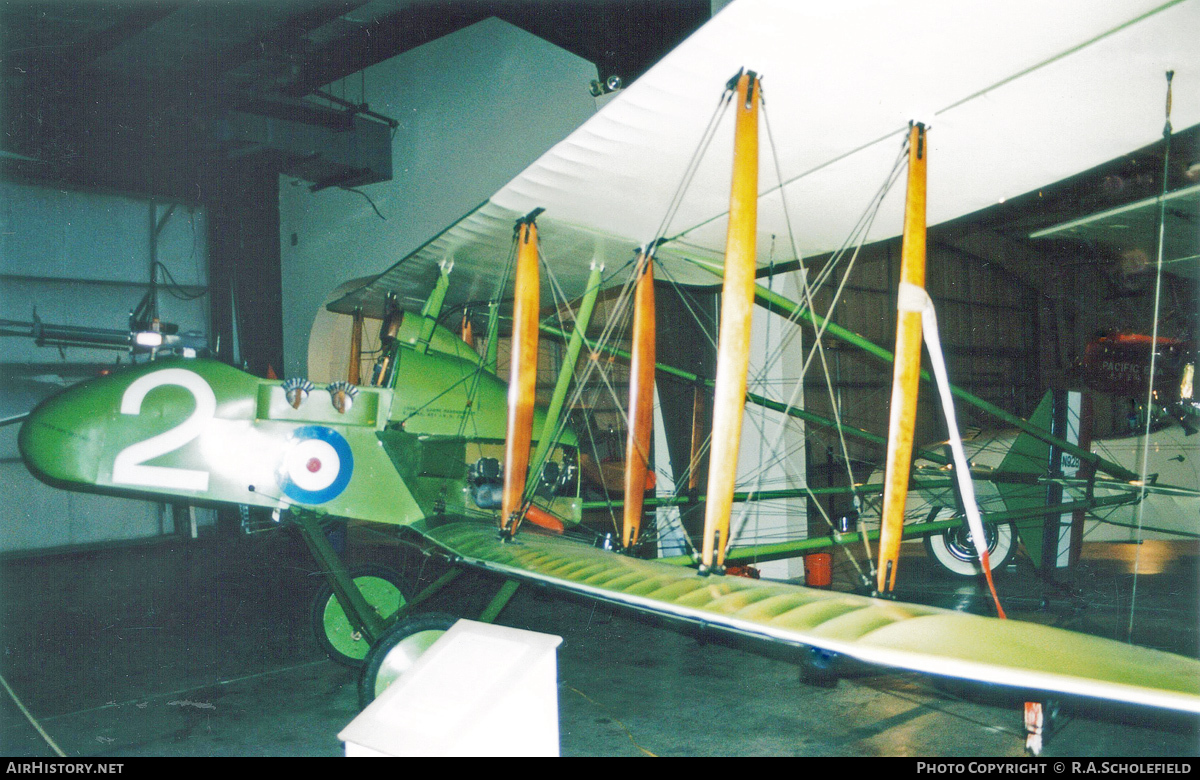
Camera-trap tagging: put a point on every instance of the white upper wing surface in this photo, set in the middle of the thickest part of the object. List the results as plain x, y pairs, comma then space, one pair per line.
1018, 94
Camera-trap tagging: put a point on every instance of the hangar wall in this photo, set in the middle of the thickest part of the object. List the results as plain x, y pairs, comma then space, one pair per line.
772, 450
475, 108
82, 259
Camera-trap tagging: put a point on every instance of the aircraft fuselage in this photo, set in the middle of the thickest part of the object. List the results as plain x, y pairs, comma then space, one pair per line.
203, 431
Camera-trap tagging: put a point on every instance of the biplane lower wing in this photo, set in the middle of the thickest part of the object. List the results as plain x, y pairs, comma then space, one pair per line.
876, 631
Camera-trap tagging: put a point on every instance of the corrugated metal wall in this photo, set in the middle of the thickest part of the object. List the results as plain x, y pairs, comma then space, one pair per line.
988, 323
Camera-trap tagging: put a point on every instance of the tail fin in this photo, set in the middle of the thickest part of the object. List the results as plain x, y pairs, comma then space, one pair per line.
1029, 455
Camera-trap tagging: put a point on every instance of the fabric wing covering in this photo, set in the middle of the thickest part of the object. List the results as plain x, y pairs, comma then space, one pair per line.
1019, 95
905, 636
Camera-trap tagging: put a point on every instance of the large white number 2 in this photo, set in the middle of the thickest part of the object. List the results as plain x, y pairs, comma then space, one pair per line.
128, 468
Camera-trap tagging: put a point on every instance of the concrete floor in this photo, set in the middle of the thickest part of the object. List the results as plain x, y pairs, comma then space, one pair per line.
203, 648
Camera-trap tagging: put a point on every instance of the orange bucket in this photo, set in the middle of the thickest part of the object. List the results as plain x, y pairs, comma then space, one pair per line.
818, 570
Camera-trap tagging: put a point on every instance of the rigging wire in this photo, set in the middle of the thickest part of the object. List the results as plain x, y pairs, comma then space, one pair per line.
760, 383
706, 326
856, 239
1158, 275
612, 333
677, 199
481, 363
982, 92
693, 165
866, 220
809, 302
561, 301
862, 227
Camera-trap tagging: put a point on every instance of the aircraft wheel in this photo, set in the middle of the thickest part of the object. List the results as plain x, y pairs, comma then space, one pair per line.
398, 649
954, 550
381, 587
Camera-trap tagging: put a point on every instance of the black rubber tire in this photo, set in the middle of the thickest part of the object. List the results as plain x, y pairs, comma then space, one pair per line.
953, 551
326, 608
412, 636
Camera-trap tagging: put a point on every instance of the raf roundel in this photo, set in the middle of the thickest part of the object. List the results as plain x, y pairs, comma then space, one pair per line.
317, 466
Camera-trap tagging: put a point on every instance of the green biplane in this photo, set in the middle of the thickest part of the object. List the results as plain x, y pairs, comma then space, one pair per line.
440, 448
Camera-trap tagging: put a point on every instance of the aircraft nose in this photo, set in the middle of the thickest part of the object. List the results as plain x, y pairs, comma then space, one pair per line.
61, 440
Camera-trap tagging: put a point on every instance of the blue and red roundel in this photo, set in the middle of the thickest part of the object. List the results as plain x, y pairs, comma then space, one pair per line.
316, 466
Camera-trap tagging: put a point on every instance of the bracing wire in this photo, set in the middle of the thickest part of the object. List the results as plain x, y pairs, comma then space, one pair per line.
694, 163
592, 364
616, 323
862, 228
622, 303
481, 364
613, 330
1158, 275
856, 239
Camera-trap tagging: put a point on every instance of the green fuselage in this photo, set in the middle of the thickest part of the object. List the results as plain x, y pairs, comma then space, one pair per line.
203, 431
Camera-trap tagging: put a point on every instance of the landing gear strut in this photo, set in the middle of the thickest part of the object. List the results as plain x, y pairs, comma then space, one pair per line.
403, 643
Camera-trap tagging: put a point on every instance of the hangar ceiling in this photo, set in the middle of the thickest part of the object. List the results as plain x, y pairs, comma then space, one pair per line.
68, 65
122, 95
153, 66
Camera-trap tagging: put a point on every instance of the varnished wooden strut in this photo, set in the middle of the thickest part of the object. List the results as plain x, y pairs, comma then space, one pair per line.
737, 303
907, 367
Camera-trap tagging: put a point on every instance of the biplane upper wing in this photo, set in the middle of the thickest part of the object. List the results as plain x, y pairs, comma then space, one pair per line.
906, 636
1020, 95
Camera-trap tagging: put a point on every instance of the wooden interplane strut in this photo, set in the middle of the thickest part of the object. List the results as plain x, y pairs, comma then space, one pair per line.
522, 382
354, 372
737, 305
641, 402
906, 371
466, 331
